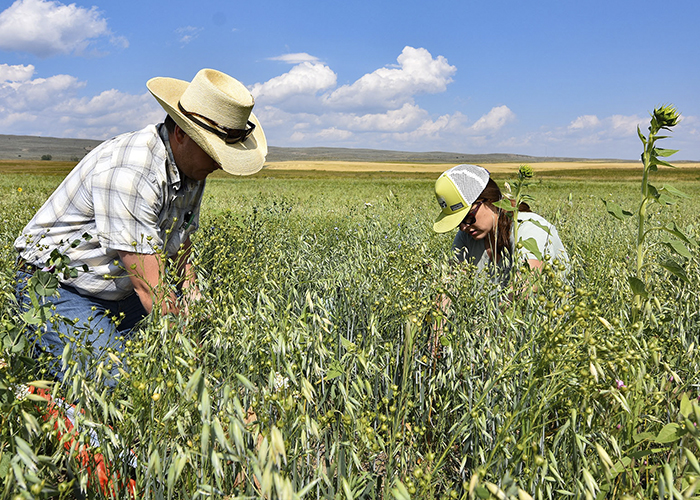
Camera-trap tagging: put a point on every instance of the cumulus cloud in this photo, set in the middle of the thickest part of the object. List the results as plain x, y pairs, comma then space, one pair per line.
407, 117
51, 106
16, 73
37, 94
494, 120
626, 125
584, 122
305, 106
417, 73
297, 58
46, 28
305, 79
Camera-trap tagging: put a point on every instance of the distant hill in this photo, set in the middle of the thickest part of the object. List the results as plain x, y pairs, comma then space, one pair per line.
30, 147
380, 155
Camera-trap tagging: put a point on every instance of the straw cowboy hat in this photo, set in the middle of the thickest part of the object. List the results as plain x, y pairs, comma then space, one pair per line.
215, 111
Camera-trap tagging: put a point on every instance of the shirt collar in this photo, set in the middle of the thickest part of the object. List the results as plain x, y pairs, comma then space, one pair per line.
175, 179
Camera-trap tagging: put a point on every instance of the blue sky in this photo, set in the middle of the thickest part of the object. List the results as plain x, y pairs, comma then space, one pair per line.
544, 78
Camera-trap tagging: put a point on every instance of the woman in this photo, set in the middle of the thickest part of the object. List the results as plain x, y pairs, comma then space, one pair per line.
486, 233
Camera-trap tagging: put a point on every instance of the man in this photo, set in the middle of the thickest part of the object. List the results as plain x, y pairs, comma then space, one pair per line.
128, 209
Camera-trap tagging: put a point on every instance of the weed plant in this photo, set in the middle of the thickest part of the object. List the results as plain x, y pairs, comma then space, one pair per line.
312, 371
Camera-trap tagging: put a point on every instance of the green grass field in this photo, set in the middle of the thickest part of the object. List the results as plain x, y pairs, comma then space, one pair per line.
315, 370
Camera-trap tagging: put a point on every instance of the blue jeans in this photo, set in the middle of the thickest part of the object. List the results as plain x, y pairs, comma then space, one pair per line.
88, 321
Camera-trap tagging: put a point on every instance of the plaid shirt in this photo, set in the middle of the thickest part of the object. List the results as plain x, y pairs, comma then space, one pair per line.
127, 195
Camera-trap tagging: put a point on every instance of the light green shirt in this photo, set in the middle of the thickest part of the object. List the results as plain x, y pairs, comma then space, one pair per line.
530, 225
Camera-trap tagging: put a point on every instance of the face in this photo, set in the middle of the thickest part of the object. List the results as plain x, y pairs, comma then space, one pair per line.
485, 221
190, 158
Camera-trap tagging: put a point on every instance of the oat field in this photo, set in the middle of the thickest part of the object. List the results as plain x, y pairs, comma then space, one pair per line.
314, 369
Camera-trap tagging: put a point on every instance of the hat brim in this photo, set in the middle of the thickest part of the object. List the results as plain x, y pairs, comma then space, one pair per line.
445, 223
242, 158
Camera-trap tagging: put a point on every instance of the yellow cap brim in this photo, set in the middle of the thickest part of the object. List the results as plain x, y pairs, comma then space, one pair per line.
445, 223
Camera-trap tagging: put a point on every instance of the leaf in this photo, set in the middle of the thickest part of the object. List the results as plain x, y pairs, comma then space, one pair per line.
43, 283
530, 245
655, 162
664, 199
641, 136
482, 492
692, 459
399, 491
642, 436
4, 464
637, 286
247, 383
205, 439
653, 192
335, 370
686, 405
350, 496
673, 191
620, 466
665, 152
30, 317
616, 210
504, 204
677, 247
674, 268
544, 228
670, 433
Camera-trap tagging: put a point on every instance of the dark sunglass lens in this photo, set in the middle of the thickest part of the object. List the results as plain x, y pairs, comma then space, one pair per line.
234, 136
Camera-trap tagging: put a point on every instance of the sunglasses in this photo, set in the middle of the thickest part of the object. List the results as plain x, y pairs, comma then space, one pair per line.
229, 135
470, 218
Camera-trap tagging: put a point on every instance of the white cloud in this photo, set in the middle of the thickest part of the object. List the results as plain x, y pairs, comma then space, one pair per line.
16, 73
621, 125
297, 58
305, 79
379, 109
417, 73
584, 122
494, 120
334, 134
46, 28
187, 33
37, 94
51, 106
406, 118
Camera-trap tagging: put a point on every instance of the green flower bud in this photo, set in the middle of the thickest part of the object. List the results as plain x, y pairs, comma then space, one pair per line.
525, 172
665, 116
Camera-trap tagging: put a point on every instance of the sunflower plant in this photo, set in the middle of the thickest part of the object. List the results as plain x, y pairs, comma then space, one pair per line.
664, 118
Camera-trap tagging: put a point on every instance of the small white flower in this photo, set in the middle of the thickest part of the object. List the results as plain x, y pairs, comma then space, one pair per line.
281, 382
21, 391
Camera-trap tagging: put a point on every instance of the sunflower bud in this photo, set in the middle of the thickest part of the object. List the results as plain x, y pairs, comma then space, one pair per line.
525, 172
665, 117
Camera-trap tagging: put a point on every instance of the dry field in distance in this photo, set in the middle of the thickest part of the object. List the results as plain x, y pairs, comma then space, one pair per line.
589, 170
583, 170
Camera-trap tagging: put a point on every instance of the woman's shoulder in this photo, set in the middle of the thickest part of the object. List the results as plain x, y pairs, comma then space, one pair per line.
534, 219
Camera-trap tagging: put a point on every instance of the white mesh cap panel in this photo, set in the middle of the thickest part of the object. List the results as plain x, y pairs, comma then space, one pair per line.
470, 180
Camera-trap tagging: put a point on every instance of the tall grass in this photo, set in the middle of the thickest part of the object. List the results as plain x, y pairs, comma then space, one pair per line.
313, 370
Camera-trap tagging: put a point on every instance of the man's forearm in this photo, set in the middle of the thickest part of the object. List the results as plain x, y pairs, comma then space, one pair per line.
145, 272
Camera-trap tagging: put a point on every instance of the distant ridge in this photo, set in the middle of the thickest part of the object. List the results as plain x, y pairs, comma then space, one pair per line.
276, 154
30, 147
